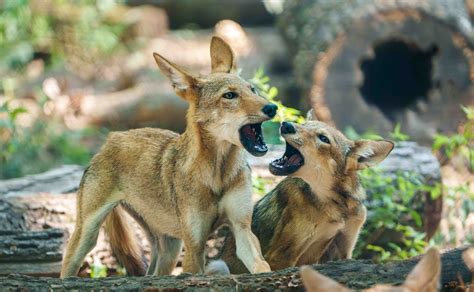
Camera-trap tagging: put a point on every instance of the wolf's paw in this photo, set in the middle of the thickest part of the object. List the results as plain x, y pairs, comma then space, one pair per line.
262, 267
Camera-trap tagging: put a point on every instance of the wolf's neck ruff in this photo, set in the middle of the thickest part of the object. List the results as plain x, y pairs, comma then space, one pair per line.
220, 162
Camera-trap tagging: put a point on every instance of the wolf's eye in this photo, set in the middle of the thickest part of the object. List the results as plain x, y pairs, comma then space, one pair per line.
230, 95
253, 89
324, 139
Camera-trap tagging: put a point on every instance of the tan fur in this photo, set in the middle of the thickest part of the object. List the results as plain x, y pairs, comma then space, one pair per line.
423, 278
315, 214
179, 187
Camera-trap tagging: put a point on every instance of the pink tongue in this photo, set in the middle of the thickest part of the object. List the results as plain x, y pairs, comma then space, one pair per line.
249, 132
294, 159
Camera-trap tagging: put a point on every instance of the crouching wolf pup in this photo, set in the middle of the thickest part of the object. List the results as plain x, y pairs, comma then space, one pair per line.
423, 278
315, 214
178, 187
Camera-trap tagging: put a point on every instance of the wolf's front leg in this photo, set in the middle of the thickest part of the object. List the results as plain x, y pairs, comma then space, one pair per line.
196, 229
351, 231
344, 242
237, 207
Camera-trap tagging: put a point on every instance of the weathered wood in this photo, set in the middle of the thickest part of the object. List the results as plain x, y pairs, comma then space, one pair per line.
353, 273
11, 216
19, 246
337, 48
61, 180
31, 252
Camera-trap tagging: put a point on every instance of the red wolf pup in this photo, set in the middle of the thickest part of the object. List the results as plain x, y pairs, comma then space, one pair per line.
178, 187
315, 214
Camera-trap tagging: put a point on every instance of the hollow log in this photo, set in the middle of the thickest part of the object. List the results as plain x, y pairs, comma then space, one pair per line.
353, 273
372, 64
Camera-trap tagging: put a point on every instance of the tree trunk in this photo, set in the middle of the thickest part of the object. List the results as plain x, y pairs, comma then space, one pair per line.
353, 273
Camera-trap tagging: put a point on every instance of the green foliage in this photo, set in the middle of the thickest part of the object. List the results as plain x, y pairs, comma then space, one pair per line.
458, 207
397, 135
57, 28
461, 143
98, 270
352, 134
39, 147
392, 229
261, 82
261, 186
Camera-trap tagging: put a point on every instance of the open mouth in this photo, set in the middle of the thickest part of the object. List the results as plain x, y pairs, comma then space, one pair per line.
252, 139
291, 161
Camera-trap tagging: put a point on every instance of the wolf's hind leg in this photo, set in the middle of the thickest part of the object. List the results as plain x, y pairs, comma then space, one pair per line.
168, 252
84, 238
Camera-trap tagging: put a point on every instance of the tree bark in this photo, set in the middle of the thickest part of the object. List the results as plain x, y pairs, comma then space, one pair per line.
355, 274
335, 46
31, 252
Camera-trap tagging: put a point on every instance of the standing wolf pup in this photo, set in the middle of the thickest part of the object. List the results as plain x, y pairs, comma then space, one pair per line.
178, 187
315, 214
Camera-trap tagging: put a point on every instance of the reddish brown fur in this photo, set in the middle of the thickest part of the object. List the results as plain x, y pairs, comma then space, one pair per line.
179, 187
315, 214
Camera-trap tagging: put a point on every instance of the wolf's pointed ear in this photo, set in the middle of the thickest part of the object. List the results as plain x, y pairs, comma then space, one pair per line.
316, 282
368, 153
425, 275
311, 115
184, 84
222, 56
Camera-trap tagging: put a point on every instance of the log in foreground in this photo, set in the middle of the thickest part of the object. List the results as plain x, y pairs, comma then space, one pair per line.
353, 273
35, 253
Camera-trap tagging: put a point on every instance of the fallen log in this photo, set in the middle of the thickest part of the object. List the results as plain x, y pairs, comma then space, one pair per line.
31, 252
353, 273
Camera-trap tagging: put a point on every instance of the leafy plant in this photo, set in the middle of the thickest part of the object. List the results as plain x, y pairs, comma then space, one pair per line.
57, 29
352, 134
26, 150
261, 82
461, 143
458, 207
392, 229
98, 270
397, 135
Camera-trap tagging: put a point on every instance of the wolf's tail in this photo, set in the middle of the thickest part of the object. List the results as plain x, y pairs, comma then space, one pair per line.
217, 267
124, 243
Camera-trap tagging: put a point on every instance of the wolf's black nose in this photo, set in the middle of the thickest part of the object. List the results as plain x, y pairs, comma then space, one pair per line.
270, 110
287, 128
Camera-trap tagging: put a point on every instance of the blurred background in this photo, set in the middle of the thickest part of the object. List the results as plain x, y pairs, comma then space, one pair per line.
71, 71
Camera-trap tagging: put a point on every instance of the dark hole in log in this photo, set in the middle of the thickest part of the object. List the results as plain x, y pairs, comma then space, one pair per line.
399, 74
